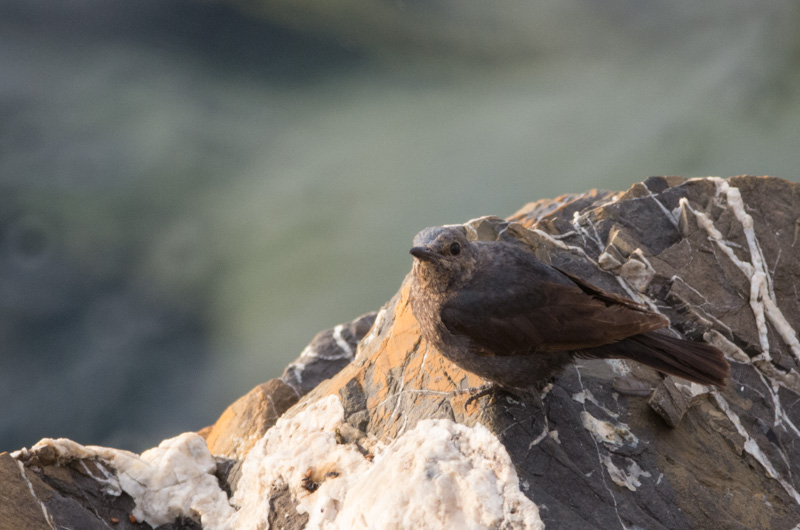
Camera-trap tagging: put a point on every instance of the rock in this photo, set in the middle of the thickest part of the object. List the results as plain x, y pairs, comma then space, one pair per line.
247, 419
283, 510
674, 397
329, 351
382, 436
718, 467
170, 486
66, 495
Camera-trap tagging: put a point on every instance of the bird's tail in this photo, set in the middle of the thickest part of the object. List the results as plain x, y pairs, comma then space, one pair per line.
694, 361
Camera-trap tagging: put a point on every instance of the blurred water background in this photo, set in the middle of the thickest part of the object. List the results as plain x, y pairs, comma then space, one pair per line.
190, 190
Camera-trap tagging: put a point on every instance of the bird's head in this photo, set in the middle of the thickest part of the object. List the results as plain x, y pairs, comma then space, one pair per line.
444, 257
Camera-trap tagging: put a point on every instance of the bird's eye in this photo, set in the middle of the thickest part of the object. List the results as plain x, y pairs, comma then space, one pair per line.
455, 248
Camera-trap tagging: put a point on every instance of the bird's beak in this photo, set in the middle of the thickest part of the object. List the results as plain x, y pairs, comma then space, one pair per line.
423, 253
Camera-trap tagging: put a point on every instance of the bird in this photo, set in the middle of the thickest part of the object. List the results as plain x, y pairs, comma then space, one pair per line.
494, 309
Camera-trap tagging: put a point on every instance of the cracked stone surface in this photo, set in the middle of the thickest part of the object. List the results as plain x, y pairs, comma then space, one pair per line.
719, 257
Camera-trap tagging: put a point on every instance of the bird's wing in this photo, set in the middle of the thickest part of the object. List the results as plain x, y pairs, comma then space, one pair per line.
605, 296
532, 306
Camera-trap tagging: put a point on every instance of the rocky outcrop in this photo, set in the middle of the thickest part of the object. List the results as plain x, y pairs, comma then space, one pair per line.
382, 437
249, 417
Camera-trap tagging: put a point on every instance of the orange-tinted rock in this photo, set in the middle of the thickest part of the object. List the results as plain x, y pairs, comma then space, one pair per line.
248, 418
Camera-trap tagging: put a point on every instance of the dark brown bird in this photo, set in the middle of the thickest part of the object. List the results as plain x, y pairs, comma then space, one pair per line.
495, 310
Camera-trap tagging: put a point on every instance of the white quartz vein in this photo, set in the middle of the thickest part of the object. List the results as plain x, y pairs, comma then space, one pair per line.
376, 326
337, 336
47, 516
576, 223
667, 213
600, 459
762, 296
752, 447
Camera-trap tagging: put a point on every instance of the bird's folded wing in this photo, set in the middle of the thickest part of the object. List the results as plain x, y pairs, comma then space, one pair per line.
605, 296
507, 317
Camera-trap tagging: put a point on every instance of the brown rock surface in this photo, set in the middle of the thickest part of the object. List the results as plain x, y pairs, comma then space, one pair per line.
718, 257
248, 418
730, 461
